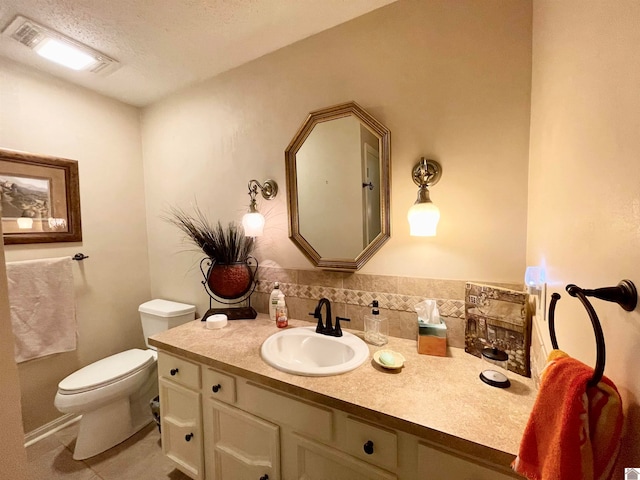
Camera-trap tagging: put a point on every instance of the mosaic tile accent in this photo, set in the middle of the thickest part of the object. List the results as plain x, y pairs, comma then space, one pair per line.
391, 301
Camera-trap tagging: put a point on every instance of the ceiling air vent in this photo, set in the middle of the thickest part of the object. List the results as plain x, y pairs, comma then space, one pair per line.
27, 35
58, 48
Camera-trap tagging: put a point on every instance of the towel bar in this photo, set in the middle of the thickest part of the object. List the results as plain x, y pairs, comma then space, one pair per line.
625, 294
79, 256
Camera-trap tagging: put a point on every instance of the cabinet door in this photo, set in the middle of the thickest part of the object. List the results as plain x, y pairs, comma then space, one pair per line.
315, 461
181, 428
434, 464
238, 445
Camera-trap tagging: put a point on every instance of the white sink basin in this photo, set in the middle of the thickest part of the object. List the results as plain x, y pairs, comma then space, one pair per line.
302, 351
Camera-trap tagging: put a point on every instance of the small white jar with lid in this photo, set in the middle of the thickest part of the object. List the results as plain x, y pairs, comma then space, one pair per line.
216, 321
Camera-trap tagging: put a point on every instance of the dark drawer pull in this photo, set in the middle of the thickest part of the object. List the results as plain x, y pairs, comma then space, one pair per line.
368, 447
173, 372
264, 477
216, 388
188, 436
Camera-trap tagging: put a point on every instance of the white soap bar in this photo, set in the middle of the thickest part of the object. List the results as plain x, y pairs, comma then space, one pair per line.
219, 320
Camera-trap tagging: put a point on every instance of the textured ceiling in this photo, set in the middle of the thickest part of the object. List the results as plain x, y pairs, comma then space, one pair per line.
165, 45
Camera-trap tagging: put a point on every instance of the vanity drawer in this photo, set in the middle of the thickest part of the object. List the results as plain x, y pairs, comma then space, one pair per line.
302, 416
219, 385
371, 443
179, 370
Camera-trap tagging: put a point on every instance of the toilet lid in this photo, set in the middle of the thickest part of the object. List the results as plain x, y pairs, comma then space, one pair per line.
106, 371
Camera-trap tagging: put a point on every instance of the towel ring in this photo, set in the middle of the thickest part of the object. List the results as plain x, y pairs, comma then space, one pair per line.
625, 294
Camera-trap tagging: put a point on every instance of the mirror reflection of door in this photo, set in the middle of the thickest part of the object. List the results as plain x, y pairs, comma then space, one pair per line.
370, 192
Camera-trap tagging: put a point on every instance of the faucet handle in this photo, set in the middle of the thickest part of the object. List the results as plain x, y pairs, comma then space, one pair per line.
337, 332
320, 325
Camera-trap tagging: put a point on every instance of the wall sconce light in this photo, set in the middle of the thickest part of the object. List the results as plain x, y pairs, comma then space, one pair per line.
424, 215
253, 220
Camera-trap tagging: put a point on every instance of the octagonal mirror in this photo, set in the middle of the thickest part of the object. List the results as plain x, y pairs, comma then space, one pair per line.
338, 187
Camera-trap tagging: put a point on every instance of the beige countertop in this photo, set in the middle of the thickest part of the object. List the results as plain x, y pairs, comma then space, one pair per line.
440, 399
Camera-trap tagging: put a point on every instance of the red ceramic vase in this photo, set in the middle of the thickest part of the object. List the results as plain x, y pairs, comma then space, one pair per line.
230, 281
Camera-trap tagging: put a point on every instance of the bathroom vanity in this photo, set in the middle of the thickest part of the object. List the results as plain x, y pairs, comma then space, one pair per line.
226, 414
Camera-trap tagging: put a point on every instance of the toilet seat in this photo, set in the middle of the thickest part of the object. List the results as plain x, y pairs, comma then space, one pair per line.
107, 371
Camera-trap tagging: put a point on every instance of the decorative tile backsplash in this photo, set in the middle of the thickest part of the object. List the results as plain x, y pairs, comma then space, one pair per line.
352, 293
391, 301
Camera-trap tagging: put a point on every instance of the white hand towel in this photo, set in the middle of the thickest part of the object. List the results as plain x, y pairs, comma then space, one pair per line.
41, 298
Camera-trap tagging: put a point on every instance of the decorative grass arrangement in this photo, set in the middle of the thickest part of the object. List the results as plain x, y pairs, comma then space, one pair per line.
224, 245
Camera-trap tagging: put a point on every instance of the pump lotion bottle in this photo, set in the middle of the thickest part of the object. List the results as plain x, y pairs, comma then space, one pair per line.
273, 301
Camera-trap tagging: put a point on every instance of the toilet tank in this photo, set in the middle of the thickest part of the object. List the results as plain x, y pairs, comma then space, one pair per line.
159, 315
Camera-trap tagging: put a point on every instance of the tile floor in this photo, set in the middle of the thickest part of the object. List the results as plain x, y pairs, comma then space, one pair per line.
138, 458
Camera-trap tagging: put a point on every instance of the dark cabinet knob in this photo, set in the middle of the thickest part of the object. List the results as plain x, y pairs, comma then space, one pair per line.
368, 447
188, 436
173, 372
216, 388
264, 477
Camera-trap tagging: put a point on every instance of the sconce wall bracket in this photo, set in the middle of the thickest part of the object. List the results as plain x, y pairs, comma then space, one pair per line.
426, 172
269, 188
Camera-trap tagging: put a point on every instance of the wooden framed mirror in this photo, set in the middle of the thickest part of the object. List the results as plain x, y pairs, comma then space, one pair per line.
338, 187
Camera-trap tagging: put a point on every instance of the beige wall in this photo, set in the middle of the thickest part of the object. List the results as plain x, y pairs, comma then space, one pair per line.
451, 80
40, 114
584, 194
13, 461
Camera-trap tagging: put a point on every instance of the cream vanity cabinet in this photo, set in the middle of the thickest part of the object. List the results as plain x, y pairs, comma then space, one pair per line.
180, 411
251, 432
238, 445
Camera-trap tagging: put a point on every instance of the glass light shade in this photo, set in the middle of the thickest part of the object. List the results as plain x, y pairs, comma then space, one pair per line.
423, 219
253, 224
25, 222
65, 54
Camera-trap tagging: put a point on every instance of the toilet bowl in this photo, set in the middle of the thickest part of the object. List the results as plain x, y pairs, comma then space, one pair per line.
113, 394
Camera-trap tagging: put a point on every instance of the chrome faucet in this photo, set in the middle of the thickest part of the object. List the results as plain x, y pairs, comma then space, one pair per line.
327, 329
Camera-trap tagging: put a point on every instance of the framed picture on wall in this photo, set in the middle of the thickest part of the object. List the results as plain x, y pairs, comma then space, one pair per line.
39, 198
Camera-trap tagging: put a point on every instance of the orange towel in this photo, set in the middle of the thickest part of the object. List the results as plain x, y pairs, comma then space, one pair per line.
573, 431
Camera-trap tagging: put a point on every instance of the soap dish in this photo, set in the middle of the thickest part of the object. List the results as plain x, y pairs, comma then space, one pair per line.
397, 357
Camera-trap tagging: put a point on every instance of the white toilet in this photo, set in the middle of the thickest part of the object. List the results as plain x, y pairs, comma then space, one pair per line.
113, 394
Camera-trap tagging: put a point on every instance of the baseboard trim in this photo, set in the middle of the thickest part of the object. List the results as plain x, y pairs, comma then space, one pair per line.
50, 428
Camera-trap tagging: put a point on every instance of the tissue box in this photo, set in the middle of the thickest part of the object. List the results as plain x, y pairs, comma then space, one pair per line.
432, 339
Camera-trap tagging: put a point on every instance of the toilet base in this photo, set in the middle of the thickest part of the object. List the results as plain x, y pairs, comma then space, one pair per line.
103, 428
107, 426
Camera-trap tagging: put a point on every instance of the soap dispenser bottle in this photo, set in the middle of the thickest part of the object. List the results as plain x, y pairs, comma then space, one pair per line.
282, 317
376, 327
273, 301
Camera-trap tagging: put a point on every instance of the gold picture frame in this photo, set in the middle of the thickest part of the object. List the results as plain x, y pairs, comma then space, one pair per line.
39, 198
